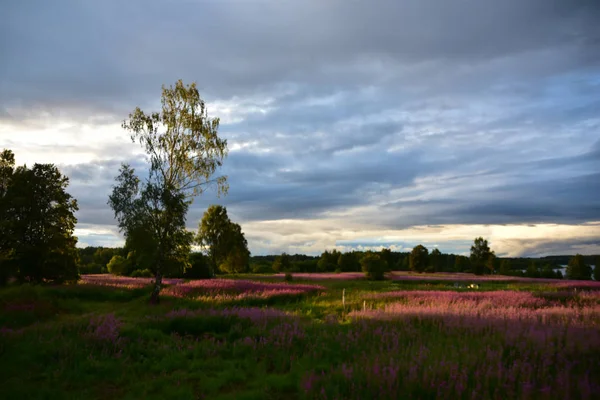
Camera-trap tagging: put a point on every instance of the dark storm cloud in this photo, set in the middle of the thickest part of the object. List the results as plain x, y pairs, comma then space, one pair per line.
432, 112
115, 54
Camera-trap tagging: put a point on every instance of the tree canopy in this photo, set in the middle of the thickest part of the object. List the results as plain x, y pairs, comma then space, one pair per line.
38, 221
419, 258
374, 266
223, 241
480, 255
578, 269
282, 263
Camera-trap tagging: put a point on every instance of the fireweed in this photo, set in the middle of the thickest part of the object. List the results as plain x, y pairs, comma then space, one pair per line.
485, 307
342, 276
123, 281
230, 289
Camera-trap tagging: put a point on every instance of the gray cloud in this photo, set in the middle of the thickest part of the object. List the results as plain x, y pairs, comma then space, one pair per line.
534, 248
429, 112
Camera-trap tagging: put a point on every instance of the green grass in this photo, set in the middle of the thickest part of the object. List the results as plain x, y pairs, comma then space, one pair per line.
51, 355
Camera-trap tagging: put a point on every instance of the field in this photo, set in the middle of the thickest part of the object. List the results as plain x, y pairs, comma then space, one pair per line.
328, 336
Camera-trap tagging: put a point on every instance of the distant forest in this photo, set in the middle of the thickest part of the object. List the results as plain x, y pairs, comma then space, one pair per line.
98, 260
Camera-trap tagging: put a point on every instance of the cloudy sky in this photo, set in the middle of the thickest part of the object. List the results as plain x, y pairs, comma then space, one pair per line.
350, 124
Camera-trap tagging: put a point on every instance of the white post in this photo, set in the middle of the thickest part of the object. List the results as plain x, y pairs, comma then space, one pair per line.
344, 298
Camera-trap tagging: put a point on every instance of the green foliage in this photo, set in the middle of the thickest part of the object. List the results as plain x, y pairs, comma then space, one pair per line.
153, 220
37, 223
597, 269
282, 263
480, 255
7, 268
223, 241
462, 264
387, 256
373, 266
547, 272
288, 277
262, 268
533, 270
419, 258
93, 260
185, 152
403, 264
328, 261
348, 262
199, 267
435, 260
142, 273
578, 269
118, 265
505, 267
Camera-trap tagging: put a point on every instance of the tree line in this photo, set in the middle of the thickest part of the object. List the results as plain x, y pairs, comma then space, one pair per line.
420, 260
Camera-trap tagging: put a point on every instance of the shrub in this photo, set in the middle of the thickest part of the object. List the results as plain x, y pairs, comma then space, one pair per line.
373, 266
142, 273
199, 267
117, 265
289, 277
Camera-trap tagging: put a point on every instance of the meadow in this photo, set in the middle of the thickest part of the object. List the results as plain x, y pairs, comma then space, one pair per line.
319, 336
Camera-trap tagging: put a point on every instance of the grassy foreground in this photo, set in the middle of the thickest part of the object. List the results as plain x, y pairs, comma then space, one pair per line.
266, 339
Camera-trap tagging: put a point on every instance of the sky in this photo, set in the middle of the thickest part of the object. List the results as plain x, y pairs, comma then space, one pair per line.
350, 124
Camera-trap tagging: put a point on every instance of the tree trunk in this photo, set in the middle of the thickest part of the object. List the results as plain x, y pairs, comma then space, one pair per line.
154, 297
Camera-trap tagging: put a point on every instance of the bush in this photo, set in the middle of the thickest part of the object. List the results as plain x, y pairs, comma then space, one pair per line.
199, 267
289, 277
142, 273
373, 266
338, 271
117, 265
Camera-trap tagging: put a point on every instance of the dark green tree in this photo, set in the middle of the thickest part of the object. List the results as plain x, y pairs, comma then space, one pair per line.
199, 267
328, 261
387, 256
223, 241
462, 264
505, 267
480, 255
7, 166
578, 269
282, 263
184, 152
403, 263
373, 266
490, 264
435, 260
348, 262
419, 258
37, 241
597, 268
212, 234
533, 270
238, 256
547, 271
